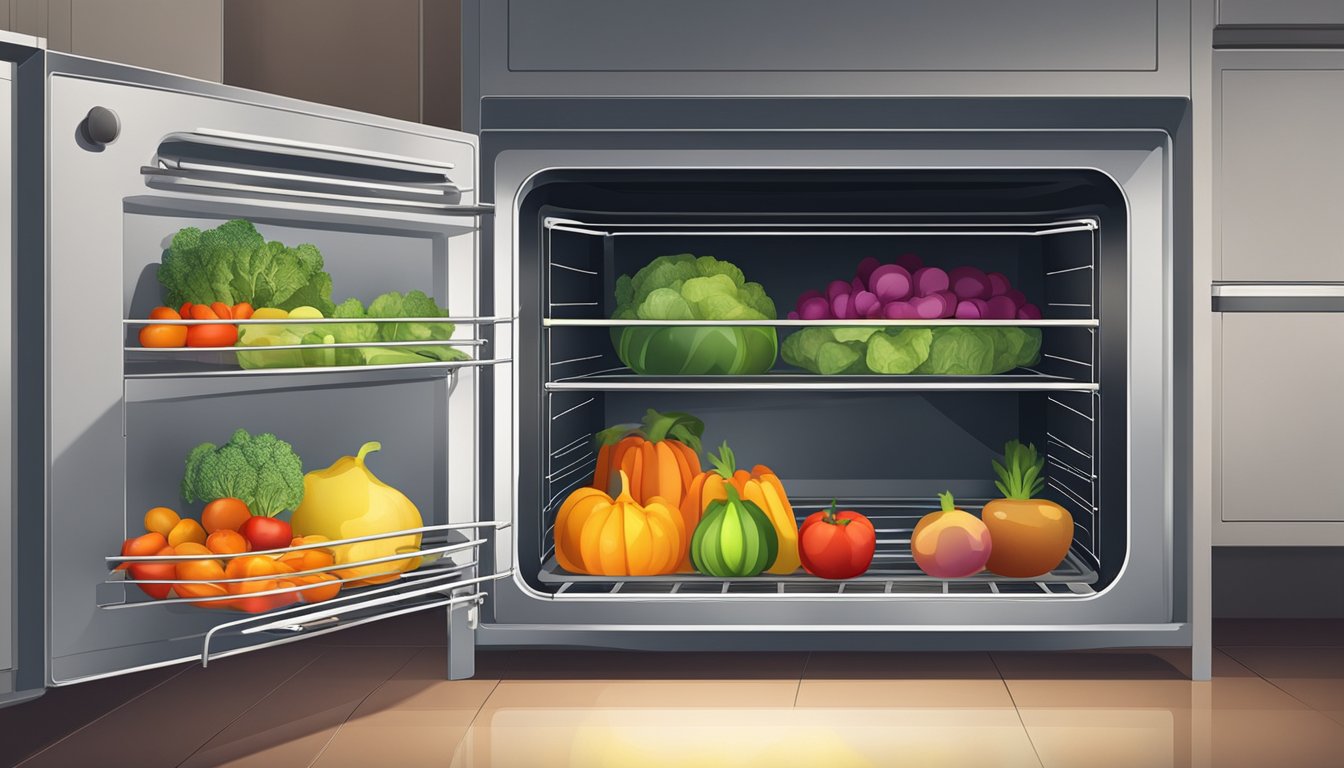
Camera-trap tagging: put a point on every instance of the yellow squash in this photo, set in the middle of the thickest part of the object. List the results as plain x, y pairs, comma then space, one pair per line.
760, 486
346, 501
601, 536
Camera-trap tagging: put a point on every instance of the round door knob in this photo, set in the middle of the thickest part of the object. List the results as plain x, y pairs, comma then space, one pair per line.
101, 126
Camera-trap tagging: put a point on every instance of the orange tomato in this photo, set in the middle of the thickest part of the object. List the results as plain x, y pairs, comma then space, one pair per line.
161, 520
226, 542
260, 603
202, 312
242, 311
222, 310
330, 586
163, 336
308, 559
199, 570
148, 544
251, 566
185, 311
193, 548
227, 514
203, 589
164, 313
186, 530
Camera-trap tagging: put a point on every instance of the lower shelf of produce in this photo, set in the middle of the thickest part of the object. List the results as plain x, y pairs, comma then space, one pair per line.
893, 572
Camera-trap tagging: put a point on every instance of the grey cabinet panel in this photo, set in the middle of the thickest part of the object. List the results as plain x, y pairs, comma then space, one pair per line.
844, 35
184, 37
1282, 437
1280, 12
1280, 159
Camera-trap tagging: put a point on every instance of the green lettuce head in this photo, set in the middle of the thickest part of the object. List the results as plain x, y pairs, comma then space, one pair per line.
684, 287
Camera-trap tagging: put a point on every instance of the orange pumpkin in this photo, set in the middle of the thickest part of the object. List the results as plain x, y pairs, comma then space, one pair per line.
761, 486
598, 535
658, 456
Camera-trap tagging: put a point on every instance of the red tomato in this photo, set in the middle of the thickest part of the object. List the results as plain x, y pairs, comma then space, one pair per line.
202, 312
222, 310
155, 572
266, 532
836, 545
242, 311
185, 311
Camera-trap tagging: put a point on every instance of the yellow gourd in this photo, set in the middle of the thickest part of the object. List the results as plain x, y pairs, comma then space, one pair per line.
601, 536
346, 501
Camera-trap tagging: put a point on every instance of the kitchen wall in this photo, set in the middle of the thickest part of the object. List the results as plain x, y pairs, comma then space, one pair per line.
399, 58
392, 57
179, 36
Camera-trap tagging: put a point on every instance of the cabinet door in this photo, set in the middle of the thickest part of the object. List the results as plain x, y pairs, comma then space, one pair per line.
842, 35
1280, 159
1281, 445
1280, 12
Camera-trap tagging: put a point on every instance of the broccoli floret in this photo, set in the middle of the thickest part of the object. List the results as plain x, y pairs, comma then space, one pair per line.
263, 471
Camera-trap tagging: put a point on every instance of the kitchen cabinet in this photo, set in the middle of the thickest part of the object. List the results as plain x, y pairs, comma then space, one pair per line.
1280, 439
605, 48
1278, 269
1280, 12
184, 37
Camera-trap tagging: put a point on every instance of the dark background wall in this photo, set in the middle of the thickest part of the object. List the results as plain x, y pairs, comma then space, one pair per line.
399, 58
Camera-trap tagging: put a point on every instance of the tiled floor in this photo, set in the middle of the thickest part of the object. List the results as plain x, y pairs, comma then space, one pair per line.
376, 697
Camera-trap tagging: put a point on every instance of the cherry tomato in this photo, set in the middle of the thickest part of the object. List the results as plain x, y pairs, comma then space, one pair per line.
185, 311
242, 311
155, 572
164, 313
160, 336
142, 545
186, 530
212, 335
836, 544
202, 312
161, 520
226, 542
227, 514
267, 532
222, 310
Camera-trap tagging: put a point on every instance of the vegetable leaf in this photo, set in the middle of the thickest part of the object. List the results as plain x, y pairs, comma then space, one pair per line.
232, 263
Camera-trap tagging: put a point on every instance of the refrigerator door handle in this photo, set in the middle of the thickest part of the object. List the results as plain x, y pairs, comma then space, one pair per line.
1278, 297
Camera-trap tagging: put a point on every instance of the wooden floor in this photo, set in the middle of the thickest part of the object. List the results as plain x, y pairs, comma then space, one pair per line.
376, 697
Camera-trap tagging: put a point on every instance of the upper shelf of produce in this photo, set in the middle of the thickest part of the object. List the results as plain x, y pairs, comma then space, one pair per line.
234, 304
973, 305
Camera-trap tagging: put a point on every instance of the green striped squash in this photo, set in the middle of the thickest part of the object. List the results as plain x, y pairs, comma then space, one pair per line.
734, 539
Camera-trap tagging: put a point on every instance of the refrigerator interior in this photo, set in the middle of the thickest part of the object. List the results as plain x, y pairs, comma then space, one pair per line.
882, 445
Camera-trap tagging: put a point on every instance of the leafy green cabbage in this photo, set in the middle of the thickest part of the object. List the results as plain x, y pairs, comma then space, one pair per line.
937, 351
686, 287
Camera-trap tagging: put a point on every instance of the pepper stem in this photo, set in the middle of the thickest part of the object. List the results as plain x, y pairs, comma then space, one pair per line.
830, 516
945, 498
366, 449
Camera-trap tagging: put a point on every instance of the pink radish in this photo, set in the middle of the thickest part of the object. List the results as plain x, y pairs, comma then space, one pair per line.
900, 310
815, 308
864, 301
841, 307
950, 301
1019, 298
1028, 312
837, 288
890, 282
866, 268
929, 307
998, 283
857, 285
910, 262
929, 280
1001, 308
793, 315
969, 283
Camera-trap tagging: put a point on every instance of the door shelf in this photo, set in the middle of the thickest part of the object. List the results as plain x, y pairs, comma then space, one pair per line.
438, 544
174, 362
1022, 380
